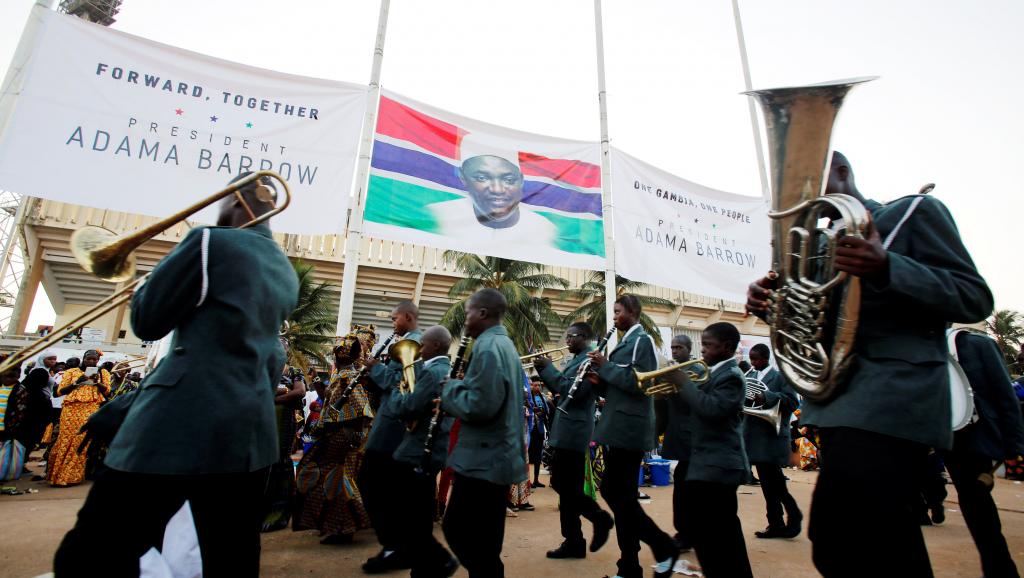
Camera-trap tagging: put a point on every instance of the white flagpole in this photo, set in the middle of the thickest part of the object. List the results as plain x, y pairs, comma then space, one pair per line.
354, 236
606, 179
754, 123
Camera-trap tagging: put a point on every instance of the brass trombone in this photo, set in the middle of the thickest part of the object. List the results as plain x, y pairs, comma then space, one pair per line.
654, 387
135, 362
109, 257
556, 354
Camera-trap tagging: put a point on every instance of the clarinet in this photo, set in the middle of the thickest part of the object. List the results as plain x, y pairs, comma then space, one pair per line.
435, 420
582, 371
362, 371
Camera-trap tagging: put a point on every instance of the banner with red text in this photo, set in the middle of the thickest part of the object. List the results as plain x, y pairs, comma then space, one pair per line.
114, 121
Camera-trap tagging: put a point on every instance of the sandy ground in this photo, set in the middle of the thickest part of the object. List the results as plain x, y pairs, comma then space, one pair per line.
35, 523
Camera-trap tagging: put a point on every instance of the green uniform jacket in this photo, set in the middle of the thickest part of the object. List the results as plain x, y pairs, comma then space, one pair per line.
418, 407
572, 430
715, 408
679, 431
899, 385
763, 444
208, 408
998, 433
489, 401
388, 430
627, 420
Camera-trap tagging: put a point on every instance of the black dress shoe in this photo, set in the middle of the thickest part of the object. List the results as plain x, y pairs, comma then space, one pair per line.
526, 507
773, 532
386, 561
538, 485
567, 550
684, 546
602, 526
939, 515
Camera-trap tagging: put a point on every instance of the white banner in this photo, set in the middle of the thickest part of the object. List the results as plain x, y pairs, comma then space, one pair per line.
678, 234
448, 181
115, 121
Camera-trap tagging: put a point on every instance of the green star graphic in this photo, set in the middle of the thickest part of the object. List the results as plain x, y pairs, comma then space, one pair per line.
248, 125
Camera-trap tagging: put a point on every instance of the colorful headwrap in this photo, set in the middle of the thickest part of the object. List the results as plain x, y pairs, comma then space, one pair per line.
365, 335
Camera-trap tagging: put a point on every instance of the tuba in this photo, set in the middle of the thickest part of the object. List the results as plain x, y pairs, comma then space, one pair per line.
813, 311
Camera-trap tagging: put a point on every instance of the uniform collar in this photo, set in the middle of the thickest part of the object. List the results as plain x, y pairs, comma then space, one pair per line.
434, 360
631, 330
724, 363
498, 329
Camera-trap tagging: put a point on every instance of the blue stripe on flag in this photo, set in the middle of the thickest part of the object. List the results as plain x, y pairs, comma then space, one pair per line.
392, 158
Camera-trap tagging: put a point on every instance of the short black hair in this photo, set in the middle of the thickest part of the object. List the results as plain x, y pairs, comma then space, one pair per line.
584, 329
630, 303
492, 300
725, 333
683, 339
761, 350
407, 306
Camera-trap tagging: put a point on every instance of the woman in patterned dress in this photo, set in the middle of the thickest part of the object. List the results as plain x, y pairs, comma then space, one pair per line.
327, 496
83, 396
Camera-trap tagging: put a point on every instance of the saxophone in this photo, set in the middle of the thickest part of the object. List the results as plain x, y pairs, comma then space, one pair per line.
814, 309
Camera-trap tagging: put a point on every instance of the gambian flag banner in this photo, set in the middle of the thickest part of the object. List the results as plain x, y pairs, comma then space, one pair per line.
451, 182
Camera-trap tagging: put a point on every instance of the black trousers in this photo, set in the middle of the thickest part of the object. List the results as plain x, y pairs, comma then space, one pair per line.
133, 509
567, 469
377, 484
709, 512
776, 495
474, 525
864, 502
678, 493
980, 511
632, 524
418, 501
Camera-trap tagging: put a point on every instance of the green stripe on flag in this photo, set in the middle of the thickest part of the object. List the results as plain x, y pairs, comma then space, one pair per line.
392, 202
583, 236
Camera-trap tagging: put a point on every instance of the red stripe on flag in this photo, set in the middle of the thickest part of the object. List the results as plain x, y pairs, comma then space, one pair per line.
399, 121
577, 173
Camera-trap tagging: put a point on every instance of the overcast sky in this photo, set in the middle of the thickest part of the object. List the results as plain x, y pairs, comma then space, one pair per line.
941, 112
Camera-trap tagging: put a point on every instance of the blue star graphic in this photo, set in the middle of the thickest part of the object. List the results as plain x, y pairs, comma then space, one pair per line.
213, 119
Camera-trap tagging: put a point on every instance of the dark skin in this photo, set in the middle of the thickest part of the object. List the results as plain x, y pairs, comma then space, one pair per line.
479, 318
864, 258
680, 350
90, 361
713, 351
403, 322
623, 319
573, 340
10, 377
298, 390
232, 211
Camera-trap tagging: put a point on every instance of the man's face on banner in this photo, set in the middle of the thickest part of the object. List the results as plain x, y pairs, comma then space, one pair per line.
494, 184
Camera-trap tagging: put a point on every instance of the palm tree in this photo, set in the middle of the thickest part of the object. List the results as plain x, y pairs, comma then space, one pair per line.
1005, 326
520, 282
311, 325
593, 312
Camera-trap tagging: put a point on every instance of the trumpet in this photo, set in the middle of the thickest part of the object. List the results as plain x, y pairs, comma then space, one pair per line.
111, 258
556, 354
670, 387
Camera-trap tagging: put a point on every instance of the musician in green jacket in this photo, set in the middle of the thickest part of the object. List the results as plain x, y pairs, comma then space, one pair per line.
379, 471
876, 430
416, 497
201, 427
768, 447
490, 454
569, 441
627, 430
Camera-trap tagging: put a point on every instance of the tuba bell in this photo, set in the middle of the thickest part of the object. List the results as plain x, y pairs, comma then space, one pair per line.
814, 310
406, 351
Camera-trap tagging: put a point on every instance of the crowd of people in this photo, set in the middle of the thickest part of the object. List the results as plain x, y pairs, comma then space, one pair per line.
395, 441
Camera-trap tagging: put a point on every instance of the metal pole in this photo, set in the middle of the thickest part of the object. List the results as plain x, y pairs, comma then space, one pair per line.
754, 123
606, 180
354, 236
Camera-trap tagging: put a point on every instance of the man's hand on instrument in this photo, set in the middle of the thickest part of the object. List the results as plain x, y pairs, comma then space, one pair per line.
759, 398
541, 362
863, 257
597, 359
758, 293
371, 362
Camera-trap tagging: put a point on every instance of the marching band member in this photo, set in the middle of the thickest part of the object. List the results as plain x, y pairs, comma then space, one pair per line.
627, 429
569, 442
380, 470
981, 446
768, 450
717, 463
225, 292
490, 453
677, 443
875, 432
417, 498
